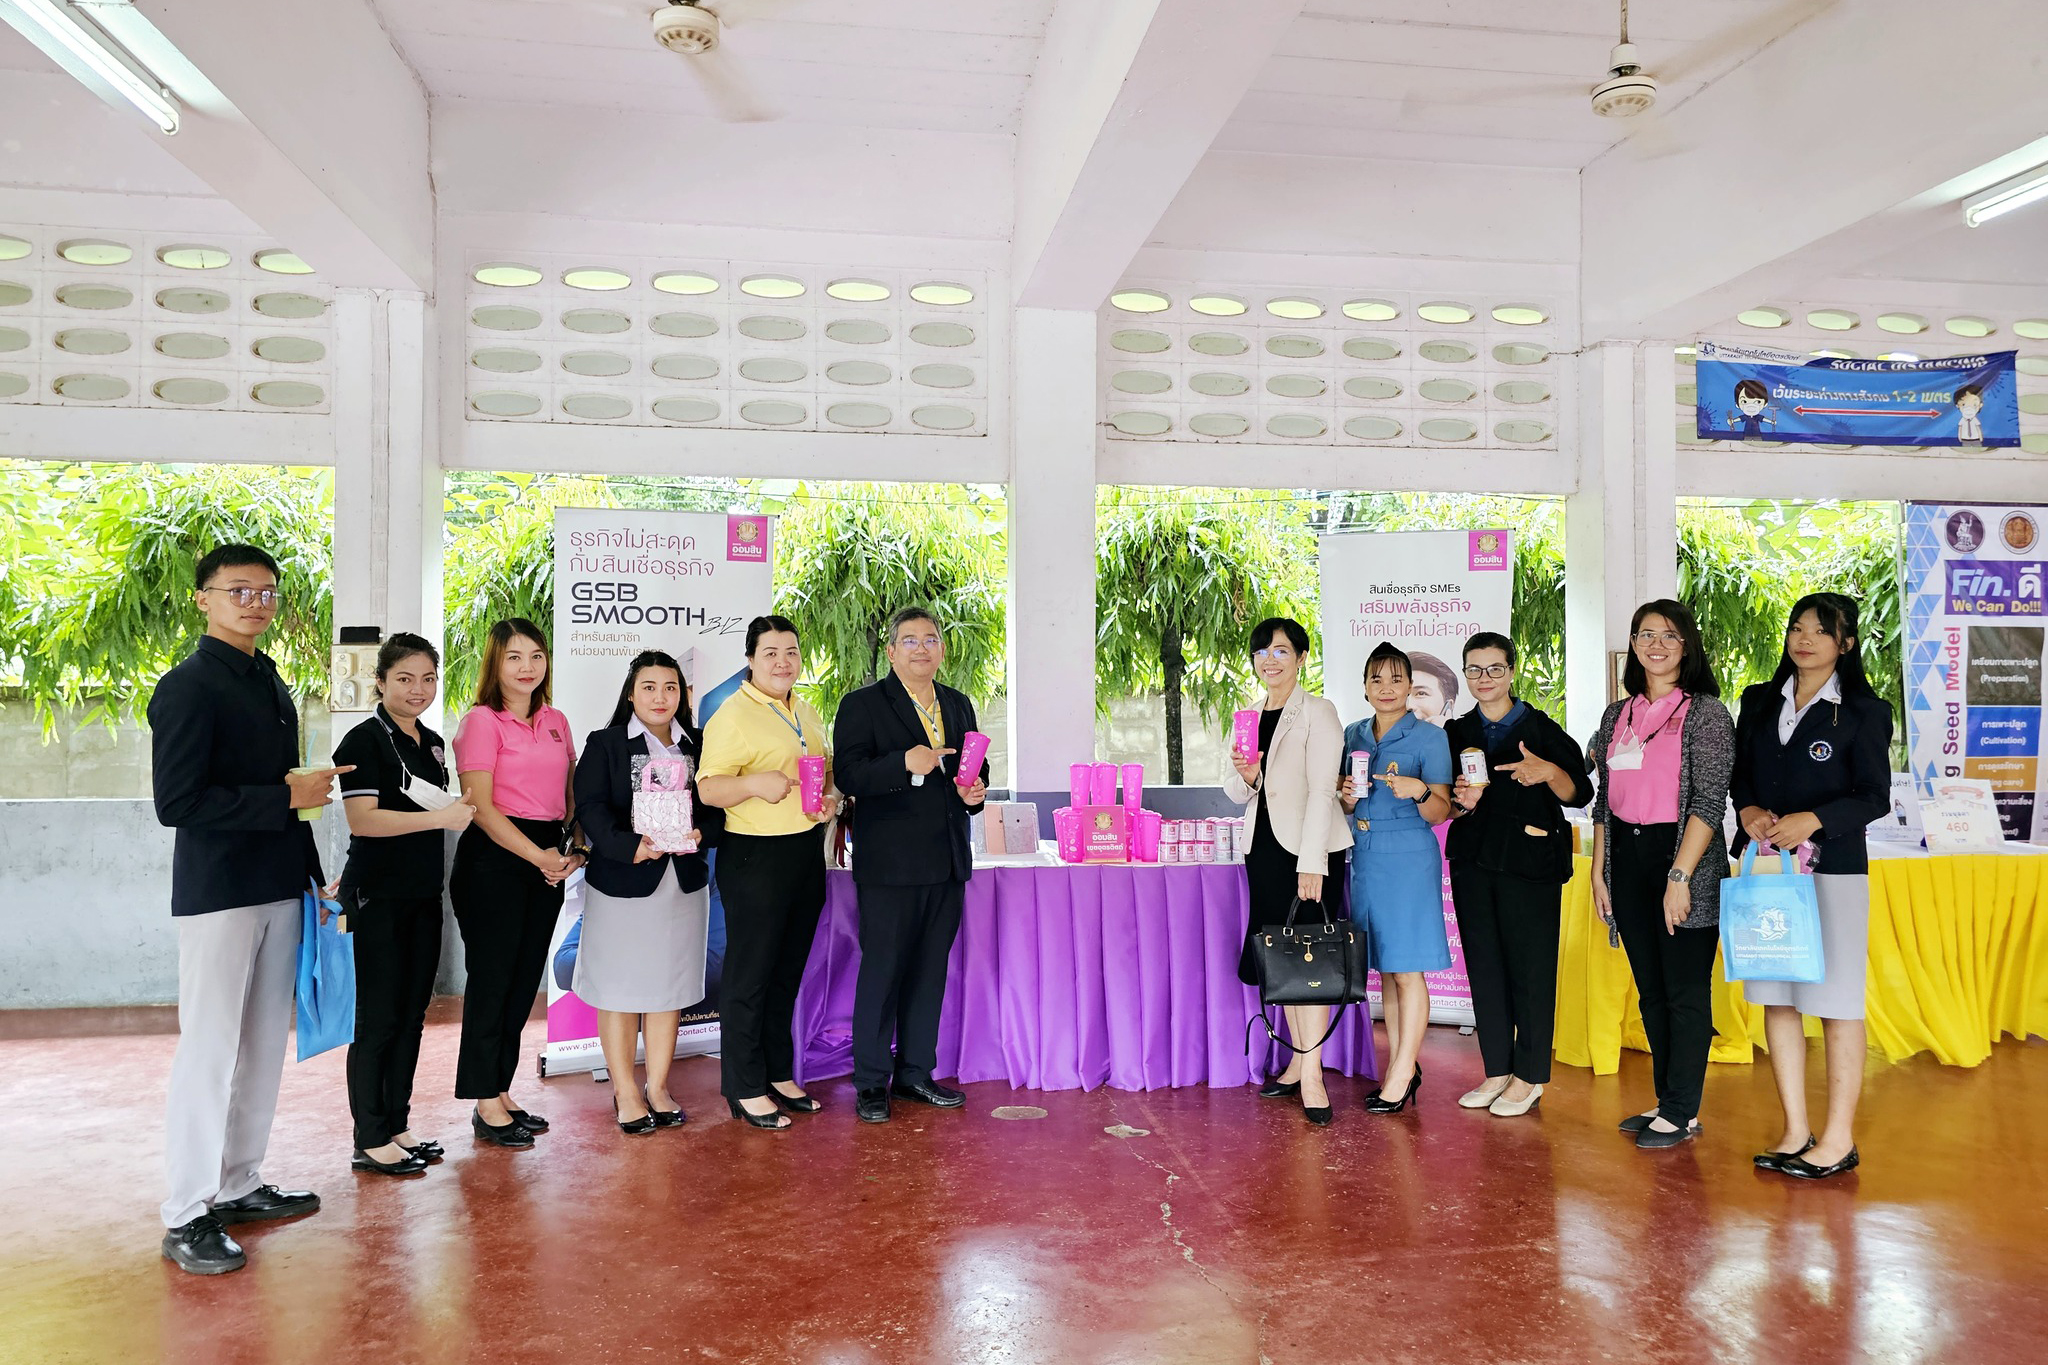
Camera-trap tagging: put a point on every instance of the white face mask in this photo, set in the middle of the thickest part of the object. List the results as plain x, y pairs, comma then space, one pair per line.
425, 795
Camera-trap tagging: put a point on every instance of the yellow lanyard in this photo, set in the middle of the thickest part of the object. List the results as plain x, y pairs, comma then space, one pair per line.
934, 720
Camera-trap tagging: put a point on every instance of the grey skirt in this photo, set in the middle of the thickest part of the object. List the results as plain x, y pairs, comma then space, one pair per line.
643, 955
1845, 952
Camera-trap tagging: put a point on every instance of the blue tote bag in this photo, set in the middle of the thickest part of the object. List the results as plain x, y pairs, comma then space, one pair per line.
327, 978
1770, 924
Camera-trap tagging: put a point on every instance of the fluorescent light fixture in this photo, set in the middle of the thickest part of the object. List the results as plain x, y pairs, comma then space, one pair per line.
2016, 193
59, 28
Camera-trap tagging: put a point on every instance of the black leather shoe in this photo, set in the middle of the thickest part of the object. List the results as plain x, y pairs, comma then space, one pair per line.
665, 1118
639, 1127
1321, 1118
512, 1134
428, 1151
266, 1202
794, 1104
872, 1106
928, 1092
1651, 1140
408, 1165
203, 1247
1775, 1161
772, 1121
1635, 1123
1805, 1170
532, 1123
1279, 1090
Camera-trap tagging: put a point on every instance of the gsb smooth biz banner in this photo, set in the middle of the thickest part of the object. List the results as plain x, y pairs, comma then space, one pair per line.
686, 583
1976, 641
1426, 592
1750, 393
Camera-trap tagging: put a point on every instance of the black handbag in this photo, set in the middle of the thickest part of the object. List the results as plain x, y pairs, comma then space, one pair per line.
1311, 963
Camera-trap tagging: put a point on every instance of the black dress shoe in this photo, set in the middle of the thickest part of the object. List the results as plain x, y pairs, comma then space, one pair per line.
532, 1123
203, 1247
1650, 1139
1805, 1170
405, 1165
928, 1092
513, 1134
872, 1106
428, 1151
639, 1127
1321, 1118
772, 1121
665, 1118
1279, 1090
1635, 1123
1775, 1161
266, 1202
795, 1104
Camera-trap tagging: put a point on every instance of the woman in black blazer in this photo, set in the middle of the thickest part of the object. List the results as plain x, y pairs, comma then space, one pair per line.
1813, 765
1510, 854
646, 914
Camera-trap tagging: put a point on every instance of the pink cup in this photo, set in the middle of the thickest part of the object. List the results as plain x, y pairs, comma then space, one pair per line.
1361, 771
1077, 783
1066, 828
810, 779
1102, 785
1145, 836
1134, 786
973, 749
1244, 734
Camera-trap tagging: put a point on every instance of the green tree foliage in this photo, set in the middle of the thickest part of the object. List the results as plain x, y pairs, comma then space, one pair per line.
97, 595
1181, 577
845, 562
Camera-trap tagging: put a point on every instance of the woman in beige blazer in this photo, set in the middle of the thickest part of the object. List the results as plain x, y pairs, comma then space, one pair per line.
1299, 836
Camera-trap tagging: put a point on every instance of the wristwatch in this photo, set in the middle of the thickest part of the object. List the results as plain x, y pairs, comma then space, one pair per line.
1678, 878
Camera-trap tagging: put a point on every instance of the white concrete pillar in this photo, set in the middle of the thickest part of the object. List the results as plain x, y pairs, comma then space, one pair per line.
1052, 546
1621, 527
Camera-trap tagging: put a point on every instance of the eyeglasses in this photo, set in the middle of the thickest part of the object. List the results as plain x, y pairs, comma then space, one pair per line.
1487, 670
251, 597
1277, 653
1659, 637
924, 641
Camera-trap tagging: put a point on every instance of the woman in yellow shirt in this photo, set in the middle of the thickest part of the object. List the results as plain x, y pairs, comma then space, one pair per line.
771, 871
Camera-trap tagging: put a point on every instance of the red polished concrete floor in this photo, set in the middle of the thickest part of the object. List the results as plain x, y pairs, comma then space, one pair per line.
1225, 1231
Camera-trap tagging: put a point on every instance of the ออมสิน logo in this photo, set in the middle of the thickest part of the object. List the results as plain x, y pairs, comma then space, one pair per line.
746, 539
1487, 550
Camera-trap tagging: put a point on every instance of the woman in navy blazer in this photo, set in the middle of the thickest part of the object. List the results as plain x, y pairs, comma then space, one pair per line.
646, 914
1813, 765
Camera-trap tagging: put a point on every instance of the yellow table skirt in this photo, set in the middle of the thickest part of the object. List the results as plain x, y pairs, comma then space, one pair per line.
1958, 956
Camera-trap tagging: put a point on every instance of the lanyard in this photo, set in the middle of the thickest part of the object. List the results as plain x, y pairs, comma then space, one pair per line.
934, 719
788, 718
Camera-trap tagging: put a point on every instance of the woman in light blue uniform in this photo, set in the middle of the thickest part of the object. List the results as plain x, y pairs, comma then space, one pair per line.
1397, 866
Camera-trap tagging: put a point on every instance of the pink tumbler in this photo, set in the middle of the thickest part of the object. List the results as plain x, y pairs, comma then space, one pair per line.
1066, 828
1361, 772
1244, 734
1077, 783
1145, 836
1134, 786
1102, 785
810, 778
973, 749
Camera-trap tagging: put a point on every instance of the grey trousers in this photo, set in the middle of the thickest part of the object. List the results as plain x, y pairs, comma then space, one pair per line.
237, 970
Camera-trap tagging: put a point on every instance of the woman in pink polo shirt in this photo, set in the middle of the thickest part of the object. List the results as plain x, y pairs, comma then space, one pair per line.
1664, 754
517, 761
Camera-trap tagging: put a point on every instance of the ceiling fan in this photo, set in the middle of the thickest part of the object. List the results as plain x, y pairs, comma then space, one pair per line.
1630, 90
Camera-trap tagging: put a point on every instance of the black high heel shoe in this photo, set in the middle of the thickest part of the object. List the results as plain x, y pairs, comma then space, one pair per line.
639, 1127
507, 1135
795, 1104
773, 1123
664, 1118
1279, 1090
1380, 1104
1321, 1118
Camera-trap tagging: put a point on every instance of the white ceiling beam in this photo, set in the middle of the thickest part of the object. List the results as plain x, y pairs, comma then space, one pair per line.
1126, 100
302, 115
1787, 160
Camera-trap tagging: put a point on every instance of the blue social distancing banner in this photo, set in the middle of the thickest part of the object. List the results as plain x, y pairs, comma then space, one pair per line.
1749, 393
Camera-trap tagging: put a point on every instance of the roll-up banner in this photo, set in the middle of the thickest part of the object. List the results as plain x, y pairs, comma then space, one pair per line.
686, 583
1749, 393
1975, 625
1426, 592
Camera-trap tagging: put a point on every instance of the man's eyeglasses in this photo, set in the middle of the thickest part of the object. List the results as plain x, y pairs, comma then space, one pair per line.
926, 641
1659, 637
1487, 670
251, 597
1277, 653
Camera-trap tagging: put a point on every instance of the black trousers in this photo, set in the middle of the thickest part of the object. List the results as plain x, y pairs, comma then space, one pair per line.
398, 950
1509, 926
506, 911
773, 889
906, 935
1674, 971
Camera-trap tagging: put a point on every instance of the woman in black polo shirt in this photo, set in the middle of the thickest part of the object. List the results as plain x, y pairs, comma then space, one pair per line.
1813, 765
399, 812
1510, 853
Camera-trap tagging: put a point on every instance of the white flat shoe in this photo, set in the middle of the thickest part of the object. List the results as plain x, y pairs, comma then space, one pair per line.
1514, 1109
1483, 1097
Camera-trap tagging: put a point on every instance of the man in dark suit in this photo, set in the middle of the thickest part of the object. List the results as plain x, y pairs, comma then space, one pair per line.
895, 751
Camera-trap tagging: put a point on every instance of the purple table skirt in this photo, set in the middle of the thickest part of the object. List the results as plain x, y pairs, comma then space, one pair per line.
1076, 977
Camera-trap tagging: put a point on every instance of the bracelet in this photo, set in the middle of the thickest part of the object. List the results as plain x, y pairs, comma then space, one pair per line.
1423, 799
